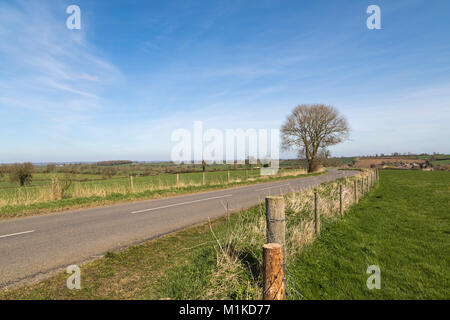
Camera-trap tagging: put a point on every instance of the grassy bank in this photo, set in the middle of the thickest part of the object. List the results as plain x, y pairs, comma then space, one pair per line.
100, 193
401, 225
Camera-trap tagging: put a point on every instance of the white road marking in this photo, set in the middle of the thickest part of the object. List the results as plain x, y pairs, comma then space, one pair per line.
16, 234
273, 187
182, 203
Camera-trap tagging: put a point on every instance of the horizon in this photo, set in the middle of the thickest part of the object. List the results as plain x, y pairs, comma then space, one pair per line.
381, 155
135, 72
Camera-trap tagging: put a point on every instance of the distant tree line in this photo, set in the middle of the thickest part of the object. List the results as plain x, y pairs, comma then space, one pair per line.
113, 163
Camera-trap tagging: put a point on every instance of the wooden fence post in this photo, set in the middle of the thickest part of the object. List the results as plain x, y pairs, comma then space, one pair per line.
131, 184
228, 176
316, 216
355, 191
276, 224
203, 178
341, 204
275, 220
273, 273
362, 186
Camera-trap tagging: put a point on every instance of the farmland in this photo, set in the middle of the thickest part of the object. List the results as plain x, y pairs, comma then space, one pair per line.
391, 161
368, 162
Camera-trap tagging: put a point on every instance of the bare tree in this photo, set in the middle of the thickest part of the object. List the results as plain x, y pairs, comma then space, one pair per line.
313, 128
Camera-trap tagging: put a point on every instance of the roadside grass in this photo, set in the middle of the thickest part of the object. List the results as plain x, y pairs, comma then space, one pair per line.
175, 266
103, 194
401, 225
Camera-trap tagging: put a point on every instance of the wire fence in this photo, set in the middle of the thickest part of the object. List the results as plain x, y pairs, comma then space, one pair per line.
304, 214
240, 269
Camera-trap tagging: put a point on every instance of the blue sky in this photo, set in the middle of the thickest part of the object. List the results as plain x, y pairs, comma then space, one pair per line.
137, 70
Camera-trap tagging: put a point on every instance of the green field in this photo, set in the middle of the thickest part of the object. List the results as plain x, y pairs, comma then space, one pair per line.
402, 225
44, 179
447, 161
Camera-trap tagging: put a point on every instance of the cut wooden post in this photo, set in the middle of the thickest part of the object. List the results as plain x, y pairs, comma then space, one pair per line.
341, 204
178, 179
355, 191
362, 186
131, 184
228, 176
203, 178
316, 215
273, 273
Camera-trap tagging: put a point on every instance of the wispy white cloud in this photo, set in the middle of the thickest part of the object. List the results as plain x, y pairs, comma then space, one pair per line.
43, 62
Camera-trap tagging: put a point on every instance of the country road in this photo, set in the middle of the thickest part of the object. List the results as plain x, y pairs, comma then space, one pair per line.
34, 248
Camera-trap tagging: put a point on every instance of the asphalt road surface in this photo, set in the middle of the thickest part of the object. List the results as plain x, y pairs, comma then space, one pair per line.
33, 248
